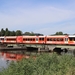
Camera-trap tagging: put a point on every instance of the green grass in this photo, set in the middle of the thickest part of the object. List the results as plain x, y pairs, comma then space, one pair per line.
44, 64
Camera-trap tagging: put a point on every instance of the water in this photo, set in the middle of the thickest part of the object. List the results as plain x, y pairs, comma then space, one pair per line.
7, 57
3, 63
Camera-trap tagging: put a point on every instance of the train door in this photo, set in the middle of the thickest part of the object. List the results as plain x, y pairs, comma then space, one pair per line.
66, 40
37, 39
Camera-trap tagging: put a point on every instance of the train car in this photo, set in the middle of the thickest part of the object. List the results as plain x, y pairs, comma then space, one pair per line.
19, 39
10, 39
2, 39
60, 39
71, 39
34, 39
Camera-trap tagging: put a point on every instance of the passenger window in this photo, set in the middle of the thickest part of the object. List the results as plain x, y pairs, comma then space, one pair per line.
50, 39
33, 39
47, 39
58, 39
41, 39
61, 39
36, 39
54, 39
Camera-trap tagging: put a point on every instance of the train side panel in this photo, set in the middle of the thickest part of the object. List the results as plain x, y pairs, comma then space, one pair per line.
34, 39
57, 40
10, 39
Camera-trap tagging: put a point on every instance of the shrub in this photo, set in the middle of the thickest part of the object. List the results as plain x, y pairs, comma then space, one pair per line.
44, 64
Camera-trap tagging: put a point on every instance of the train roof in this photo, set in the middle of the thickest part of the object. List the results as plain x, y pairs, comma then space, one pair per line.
71, 36
57, 36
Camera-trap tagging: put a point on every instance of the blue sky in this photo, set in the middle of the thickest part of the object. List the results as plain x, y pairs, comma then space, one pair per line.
39, 16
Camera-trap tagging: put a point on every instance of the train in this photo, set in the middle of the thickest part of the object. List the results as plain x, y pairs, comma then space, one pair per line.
52, 39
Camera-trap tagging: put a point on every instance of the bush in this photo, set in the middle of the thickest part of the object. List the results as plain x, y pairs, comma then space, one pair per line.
44, 64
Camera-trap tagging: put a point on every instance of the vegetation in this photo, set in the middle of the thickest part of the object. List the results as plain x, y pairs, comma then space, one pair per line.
44, 64
7, 32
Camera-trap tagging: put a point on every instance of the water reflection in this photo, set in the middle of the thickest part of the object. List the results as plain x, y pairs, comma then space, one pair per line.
7, 57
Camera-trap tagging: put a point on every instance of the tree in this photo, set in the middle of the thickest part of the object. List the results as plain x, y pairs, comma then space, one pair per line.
7, 32
27, 33
12, 33
18, 32
2, 32
59, 33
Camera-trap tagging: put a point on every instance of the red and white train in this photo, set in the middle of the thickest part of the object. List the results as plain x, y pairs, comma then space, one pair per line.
55, 39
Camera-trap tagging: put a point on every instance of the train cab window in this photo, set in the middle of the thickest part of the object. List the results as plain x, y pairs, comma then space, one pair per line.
2, 38
74, 39
70, 39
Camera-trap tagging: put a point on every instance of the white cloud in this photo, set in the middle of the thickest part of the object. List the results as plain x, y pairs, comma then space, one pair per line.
21, 17
35, 16
68, 28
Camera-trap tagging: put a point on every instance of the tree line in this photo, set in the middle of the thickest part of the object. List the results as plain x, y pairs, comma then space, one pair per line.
7, 32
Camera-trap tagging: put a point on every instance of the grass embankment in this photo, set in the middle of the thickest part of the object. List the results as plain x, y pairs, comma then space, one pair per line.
44, 64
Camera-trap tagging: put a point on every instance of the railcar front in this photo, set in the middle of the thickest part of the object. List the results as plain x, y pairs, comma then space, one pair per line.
71, 40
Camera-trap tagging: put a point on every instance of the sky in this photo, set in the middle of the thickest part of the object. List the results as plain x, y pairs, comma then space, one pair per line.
38, 16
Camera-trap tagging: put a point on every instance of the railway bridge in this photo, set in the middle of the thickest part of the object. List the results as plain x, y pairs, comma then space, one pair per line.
39, 48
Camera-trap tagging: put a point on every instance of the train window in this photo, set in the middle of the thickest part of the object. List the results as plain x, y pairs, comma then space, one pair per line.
74, 39
13, 39
33, 39
70, 39
2, 38
50, 39
61, 39
41, 39
66, 39
54, 39
58, 39
47, 39
24, 39
36, 39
